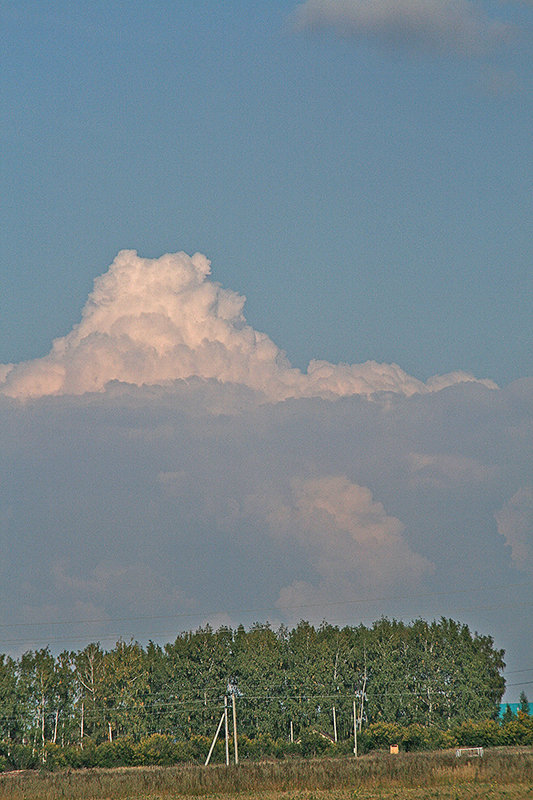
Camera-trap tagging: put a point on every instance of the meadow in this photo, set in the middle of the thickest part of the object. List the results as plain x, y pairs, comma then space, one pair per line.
502, 773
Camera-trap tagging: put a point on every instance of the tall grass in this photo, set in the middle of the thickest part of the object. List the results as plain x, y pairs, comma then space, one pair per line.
410, 771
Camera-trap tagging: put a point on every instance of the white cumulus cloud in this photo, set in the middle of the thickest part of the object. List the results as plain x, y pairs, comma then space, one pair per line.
351, 541
154, 321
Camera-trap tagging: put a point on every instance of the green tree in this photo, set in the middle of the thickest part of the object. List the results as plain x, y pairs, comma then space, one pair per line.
38, 693
10, 726
126, 690
258, 673
63, 698
432, 674
89, 692
199, 669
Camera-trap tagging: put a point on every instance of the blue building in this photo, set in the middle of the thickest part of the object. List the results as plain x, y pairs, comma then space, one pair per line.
514, 708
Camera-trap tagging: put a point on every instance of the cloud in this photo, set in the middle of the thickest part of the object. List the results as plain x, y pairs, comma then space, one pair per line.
154, 471
448, 470
351, 542
154, 321
458, 26
515, 524
196, 500
135, 582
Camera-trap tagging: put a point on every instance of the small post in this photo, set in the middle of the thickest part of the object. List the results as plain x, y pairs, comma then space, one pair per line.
226, 731
334, 725
235, 728
354, 730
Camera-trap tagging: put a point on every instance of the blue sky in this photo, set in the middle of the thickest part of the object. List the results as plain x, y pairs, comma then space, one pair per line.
371, 201
360, 171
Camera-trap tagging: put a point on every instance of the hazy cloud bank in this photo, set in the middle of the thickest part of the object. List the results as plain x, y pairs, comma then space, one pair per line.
458, 26
193, 497
165, 458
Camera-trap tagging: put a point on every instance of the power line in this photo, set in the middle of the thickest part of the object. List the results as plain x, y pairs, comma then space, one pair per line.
277, 608
160, 635
521, 683
216, 704
513, 671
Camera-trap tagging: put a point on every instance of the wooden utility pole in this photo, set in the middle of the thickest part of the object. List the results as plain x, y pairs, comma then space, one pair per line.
335, 724
354, 729
235, 727
213, 743
226, 730
363, 695
292, 733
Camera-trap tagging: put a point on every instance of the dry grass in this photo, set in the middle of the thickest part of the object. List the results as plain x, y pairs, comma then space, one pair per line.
411, 776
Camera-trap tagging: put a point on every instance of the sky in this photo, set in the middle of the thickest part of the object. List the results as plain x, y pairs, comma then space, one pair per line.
265, 317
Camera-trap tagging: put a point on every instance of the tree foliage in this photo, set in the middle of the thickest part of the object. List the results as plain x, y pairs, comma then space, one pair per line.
425, 674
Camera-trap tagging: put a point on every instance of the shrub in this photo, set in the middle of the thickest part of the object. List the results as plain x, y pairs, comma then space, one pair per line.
517, 731
88, 754
73, 755
447, 739
184, 753
23, 757
312, 744
414, 737
54, 756
478, 734
126, 751
198, 748
157, 749
383, 734
106, 755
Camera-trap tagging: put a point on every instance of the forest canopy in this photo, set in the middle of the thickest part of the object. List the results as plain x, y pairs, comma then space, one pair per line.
434, 674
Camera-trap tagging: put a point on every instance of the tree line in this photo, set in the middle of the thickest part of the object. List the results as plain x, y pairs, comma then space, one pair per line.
287, 683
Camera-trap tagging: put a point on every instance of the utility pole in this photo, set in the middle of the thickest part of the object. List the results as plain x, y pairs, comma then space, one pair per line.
334, 724
354, 729
235, 728
363, 696
215, 737
226, 731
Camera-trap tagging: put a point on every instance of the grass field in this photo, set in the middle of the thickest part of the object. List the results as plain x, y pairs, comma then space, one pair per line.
499, 775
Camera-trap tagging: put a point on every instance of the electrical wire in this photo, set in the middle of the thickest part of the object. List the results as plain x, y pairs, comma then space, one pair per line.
152, 636
262, 609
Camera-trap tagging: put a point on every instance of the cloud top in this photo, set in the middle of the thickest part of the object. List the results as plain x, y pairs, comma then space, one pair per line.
458, 26
515, 524
154, 321
348, 533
